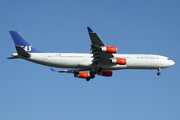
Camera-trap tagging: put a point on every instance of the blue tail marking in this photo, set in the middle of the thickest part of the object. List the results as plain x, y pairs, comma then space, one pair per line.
19, 40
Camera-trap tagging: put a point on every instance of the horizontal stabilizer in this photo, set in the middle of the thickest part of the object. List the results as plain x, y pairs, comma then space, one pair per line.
14, 57
22, 52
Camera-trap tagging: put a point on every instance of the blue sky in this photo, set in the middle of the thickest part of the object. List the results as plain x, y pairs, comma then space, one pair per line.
32, 92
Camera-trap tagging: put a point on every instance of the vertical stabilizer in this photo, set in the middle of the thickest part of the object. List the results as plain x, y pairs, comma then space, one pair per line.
19, 40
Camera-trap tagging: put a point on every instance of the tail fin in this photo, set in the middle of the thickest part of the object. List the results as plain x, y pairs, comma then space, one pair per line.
19, 40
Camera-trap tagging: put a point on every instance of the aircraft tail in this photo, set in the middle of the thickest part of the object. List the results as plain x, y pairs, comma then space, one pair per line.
19, 40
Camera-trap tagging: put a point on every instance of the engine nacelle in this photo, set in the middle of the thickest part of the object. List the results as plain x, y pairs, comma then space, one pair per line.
109, 49
107, 73
81, 75
121, 61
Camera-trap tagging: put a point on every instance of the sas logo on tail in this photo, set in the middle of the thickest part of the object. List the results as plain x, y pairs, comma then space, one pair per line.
27, 48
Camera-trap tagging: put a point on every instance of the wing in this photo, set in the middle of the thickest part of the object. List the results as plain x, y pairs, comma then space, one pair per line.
67, 71
100, 51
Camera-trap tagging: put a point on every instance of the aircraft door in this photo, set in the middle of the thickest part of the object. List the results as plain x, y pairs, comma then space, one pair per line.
131, 62
132, 58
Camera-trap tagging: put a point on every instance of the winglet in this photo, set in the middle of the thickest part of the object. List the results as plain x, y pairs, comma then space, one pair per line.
89, 29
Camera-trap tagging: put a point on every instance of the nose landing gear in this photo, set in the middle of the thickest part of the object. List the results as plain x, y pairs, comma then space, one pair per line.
159, 69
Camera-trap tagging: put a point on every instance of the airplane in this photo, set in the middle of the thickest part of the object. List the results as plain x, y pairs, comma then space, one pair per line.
102, 61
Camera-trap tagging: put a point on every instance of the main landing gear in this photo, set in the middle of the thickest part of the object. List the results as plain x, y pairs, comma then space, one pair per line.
93, 73
159, 69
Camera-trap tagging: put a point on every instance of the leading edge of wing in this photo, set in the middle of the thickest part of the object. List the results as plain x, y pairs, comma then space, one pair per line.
95, 40
96, 47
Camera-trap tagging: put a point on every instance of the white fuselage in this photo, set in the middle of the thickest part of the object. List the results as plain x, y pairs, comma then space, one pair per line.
84, 61
101, 61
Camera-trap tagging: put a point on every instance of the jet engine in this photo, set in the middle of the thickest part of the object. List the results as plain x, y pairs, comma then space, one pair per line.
121, 61
107, 73
81, 74
109, 49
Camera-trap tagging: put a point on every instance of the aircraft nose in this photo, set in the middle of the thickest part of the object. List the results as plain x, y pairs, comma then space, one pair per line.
172, 62
169, 63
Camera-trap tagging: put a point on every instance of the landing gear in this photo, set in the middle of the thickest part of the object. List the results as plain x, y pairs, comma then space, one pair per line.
159, 69
93, 73
90, 77
87, 79
99, 69
158, 73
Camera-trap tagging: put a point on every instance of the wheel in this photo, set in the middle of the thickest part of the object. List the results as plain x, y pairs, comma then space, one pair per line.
92, 76
158, 73
87, 79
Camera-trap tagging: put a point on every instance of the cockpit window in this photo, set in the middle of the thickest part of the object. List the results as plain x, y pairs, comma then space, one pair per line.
168, 59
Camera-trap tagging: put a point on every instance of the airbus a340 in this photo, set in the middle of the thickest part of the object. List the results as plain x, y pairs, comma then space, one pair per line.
101, 61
